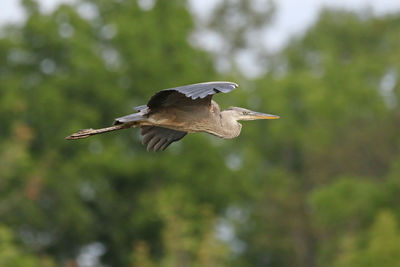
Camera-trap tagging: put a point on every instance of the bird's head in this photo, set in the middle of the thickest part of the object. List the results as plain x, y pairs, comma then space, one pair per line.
242, 114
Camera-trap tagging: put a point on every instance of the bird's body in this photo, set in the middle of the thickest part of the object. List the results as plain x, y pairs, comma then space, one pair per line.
209, 119
172, 113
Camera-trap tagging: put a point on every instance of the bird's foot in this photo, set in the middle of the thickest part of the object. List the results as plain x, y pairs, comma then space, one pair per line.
80, 134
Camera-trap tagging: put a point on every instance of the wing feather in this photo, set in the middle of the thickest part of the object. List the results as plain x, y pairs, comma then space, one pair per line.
159, 138
193, 91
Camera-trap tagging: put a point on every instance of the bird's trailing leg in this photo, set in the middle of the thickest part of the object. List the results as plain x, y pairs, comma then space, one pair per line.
88, 132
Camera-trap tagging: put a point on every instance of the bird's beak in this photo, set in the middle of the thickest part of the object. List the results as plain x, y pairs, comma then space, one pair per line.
262, 116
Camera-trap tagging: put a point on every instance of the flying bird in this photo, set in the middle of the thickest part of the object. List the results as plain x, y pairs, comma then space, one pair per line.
172, 113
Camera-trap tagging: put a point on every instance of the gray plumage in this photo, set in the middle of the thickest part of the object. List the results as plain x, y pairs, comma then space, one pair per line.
193, 91
172, 113
158, 138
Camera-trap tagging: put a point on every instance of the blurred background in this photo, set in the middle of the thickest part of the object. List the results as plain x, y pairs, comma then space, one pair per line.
319, 187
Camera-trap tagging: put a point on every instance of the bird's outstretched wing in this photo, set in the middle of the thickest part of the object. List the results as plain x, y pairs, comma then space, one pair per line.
158, 138
170, 96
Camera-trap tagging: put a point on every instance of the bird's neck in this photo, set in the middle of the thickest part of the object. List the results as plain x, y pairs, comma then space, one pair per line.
228, 126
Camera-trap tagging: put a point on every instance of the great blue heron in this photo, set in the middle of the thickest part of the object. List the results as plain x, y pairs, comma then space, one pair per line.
172, 113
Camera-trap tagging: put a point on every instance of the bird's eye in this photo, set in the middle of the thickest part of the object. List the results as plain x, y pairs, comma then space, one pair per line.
245, 113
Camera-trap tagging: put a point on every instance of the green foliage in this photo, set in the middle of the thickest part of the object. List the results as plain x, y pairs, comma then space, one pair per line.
342, 209
336, 141
12, 254
345, 203
384, 244
381, 249
186, 243
319, 187
64, 72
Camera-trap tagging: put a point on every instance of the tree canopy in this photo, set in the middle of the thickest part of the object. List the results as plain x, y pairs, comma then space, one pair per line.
319, 187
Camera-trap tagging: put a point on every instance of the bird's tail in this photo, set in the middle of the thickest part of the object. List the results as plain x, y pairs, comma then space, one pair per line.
88, 132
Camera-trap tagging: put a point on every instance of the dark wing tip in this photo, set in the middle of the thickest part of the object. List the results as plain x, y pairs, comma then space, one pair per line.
201, 90
158, 138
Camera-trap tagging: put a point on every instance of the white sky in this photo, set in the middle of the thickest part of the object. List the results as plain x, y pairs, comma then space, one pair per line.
293, 16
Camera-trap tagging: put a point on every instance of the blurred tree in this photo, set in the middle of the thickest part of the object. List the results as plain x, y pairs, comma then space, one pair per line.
336, 90
186, 243
384, 242
382, 248
231, 32
13, 255
64, 71
298, 192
